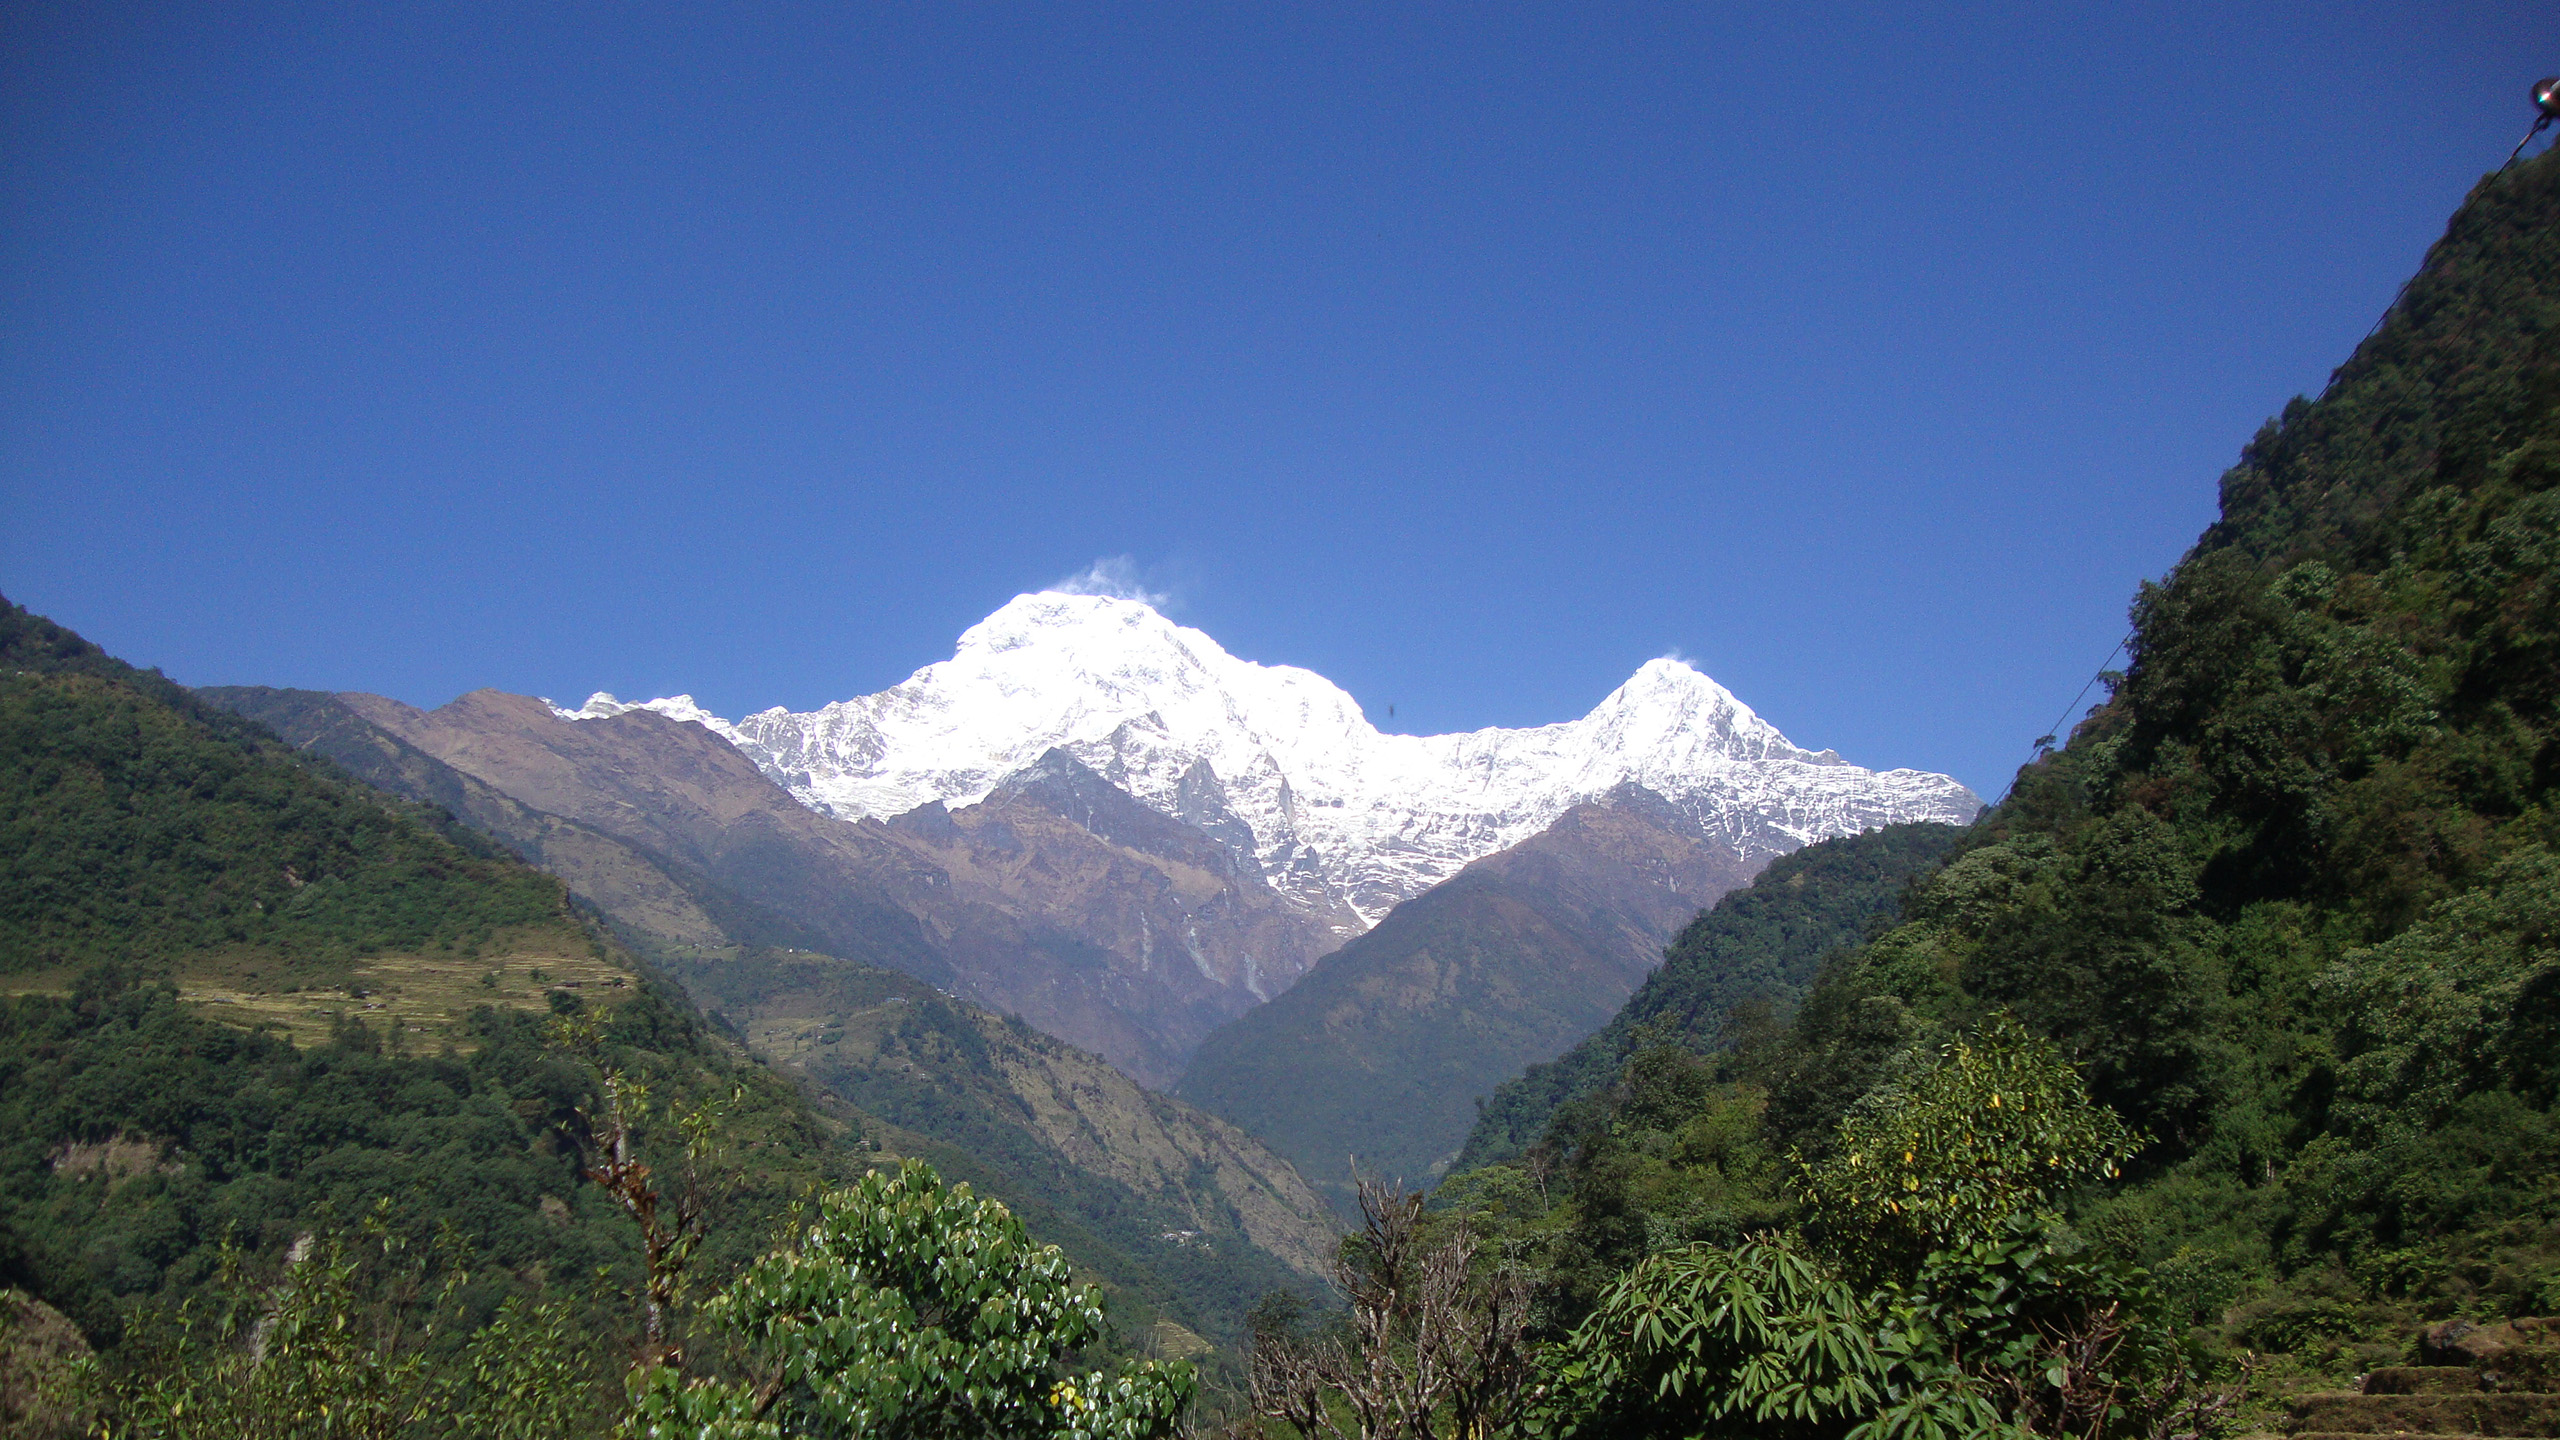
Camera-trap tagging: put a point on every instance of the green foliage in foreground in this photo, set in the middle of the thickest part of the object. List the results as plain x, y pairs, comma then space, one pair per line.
340, 1345
1939, 1291
1999, 1126
1759, 1339
910, 1311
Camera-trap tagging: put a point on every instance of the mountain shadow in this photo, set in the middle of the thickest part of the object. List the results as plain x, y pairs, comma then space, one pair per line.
1376, 1059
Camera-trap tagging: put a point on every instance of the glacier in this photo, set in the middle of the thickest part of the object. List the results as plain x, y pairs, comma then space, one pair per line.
1281, 766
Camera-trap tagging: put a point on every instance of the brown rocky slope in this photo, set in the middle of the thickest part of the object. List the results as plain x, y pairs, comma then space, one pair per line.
1378, 1057
1058, 899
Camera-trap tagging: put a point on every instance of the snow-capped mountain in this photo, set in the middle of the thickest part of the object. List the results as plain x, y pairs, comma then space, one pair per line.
1280, 765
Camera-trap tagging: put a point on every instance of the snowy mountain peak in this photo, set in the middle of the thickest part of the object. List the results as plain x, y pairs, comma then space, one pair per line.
1280, 762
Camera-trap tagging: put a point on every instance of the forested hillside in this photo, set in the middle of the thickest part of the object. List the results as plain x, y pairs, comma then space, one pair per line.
1758, 948
1149, 1193
136, 821
1376, 1059
252, 1007
2288, 902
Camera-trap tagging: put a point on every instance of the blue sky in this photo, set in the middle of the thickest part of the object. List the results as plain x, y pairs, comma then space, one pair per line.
1469, 354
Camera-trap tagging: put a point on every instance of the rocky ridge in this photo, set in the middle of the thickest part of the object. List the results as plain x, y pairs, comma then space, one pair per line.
1280, 765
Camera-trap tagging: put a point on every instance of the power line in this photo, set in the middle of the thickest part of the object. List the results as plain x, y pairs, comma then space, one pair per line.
2045, 741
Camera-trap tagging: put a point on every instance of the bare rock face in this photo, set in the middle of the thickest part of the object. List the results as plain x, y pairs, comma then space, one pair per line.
2459, 1342
1058, 898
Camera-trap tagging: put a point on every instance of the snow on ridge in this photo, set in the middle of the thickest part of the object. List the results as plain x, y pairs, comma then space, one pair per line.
1346, 817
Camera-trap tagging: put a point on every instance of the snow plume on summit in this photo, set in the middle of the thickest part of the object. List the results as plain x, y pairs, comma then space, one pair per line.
1280, 765
1115, 576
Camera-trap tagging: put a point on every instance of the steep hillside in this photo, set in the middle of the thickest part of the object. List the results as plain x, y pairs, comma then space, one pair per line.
2289, 899
1379, 1055
1762, 943
323, 1004
1057, 898
1057, 1131
1201, 1198
136, 823
642, 890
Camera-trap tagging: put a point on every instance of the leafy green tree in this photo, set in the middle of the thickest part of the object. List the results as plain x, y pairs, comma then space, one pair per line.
533, 1373
312, 1355
911, 1311
1999, 1124
2064, 1341
1762, 1340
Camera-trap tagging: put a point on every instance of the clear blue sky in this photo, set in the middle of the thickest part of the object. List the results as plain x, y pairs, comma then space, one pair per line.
1468, 354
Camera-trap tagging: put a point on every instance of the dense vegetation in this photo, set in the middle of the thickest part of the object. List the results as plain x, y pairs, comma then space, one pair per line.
2288, 902
139, 1139
1757, 946
938, 1070
909, 1311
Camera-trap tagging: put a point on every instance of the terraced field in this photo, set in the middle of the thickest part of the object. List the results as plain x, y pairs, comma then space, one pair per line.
417, 1001
2499, 1382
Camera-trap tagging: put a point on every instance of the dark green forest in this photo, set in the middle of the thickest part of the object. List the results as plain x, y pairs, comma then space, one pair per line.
2287, 902
1758, 947
142, 1138
137, 821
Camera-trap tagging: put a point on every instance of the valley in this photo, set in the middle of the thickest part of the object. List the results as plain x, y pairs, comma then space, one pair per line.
2209, 1073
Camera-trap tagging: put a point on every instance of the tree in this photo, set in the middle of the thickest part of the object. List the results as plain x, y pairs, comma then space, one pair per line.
1999, 1124
672, 1224
911, 1311
1432, 1336
338, 1347
1762, 1339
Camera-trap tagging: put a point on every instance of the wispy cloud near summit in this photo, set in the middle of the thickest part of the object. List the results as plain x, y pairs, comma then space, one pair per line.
1116, 576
